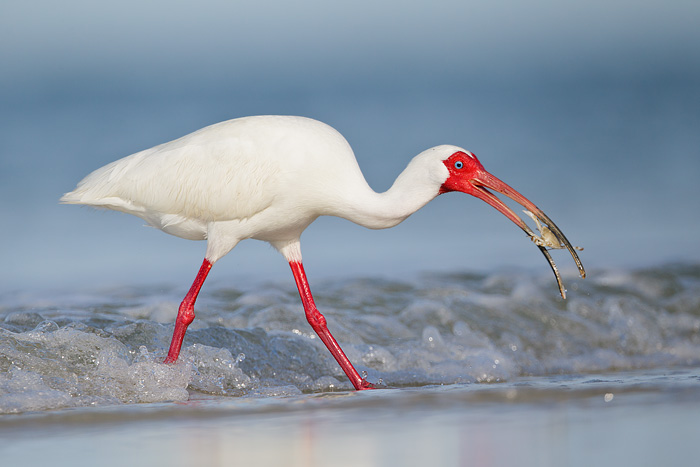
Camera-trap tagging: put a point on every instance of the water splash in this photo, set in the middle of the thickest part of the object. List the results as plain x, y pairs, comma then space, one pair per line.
438, 329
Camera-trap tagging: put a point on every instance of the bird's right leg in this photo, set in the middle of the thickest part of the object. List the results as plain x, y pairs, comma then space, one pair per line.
185, 314
318, 323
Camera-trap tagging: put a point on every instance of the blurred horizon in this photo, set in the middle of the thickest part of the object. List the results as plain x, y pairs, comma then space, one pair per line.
590, 110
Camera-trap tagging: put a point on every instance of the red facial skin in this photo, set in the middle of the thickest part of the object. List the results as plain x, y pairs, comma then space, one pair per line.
466, 174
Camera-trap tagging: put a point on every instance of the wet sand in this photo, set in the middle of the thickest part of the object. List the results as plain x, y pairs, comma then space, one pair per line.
633, 418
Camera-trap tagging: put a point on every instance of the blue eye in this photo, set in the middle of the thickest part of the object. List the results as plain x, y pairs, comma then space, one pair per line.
459, 165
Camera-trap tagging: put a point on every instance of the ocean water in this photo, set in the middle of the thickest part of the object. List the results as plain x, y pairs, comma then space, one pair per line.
105, 348
475, 369
641, 418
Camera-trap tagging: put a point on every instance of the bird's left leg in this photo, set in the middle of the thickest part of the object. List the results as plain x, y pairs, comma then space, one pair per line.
318, 323
185, 314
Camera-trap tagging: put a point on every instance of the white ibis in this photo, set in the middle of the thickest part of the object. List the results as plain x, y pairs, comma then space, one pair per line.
268, 178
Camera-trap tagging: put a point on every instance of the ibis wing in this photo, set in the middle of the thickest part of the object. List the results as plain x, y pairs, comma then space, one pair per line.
198, 177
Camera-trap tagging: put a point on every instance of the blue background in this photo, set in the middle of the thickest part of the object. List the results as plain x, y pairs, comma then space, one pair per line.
591, 110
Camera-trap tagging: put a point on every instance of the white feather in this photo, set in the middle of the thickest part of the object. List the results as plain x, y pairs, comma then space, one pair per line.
265, 177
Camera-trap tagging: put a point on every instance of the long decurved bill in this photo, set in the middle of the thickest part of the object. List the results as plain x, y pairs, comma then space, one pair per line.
550, 235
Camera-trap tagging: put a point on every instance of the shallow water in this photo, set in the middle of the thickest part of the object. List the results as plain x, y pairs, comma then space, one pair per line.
102, 348
488, 369
641, 418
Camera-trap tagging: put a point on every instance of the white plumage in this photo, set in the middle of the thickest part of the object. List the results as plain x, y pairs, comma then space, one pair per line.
265, 177
268, 178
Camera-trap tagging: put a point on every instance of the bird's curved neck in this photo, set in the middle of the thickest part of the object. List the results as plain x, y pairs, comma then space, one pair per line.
409, 193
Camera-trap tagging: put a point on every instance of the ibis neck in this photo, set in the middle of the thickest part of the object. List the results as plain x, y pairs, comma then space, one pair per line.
409, 193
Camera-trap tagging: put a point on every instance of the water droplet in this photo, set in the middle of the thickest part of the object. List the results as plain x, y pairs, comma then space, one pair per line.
432, 337
46, 326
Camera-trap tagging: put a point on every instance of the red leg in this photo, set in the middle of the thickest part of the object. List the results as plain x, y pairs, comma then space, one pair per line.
318, 323
185, 314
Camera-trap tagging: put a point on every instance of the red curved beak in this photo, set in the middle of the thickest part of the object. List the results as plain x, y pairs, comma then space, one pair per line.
476, 181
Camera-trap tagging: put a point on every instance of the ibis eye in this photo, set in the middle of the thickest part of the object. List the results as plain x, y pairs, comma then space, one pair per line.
459, 165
